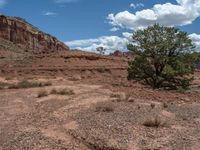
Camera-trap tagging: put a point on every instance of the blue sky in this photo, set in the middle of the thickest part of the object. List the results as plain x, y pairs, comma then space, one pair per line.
87, 24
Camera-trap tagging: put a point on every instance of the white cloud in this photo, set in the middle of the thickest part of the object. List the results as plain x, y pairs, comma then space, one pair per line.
65, 1
114, 29
2, 3
134, 6
183, 13
128, 35
111, 43
196, 39
48, 13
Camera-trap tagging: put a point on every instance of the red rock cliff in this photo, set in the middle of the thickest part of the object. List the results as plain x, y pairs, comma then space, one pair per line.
25, 35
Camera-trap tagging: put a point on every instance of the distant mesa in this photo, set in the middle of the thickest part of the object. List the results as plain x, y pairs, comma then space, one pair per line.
25, 35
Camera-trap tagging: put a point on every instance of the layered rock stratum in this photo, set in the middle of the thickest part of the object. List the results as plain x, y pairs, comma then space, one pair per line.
24, 49
25, 35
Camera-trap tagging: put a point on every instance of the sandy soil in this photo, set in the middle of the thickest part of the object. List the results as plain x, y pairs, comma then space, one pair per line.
101, 116
101, 111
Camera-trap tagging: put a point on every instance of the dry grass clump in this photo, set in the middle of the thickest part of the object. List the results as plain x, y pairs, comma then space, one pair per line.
62, 92
76, 78
8, 78
165, 105
153, 122
27, 84
115, 95
4, 85
153, 105
104, 107
42, 94
122, 97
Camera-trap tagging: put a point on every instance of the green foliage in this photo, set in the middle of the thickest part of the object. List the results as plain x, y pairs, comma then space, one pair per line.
164, 57
27, 84
101, 50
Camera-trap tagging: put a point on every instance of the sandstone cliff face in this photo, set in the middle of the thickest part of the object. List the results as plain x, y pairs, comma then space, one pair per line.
27, 36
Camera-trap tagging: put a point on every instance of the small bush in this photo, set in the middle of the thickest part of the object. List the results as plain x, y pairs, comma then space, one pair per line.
8, 78
181, 90
3, 85
165, 105
153, 105
104, 108
53, 91
131, 100
115, 95
42, 94
121, 97
28, 84
153, 122
62, 92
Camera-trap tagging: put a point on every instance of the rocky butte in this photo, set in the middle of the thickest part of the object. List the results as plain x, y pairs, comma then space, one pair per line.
25, 35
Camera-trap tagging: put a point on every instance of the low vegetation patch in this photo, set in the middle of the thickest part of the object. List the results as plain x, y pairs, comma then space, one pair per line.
102, 107
28, 84
4, 85
42, 94
122, 97
153, 105
62, 91
153, 122
8, 78
115, 95
165, 105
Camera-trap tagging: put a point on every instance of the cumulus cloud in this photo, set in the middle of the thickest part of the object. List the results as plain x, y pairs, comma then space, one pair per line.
128, 35
168, 14
134, 6
182, 13
114, 29
48, 13
196, 39
111, 43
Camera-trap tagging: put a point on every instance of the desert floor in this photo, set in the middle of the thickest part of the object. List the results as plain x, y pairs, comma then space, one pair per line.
98, 114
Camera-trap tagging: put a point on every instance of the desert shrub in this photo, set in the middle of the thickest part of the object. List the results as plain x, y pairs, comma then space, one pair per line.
53, 91
153, 105
46, 83
163, 57
153, 122
76, 78
101, 70
165, 105
115, 95
28, 84
8, 78
62, 91
3, 85
104, 107
42, 94
181, 90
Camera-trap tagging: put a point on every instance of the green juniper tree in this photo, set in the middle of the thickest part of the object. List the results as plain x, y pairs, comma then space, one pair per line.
163, 57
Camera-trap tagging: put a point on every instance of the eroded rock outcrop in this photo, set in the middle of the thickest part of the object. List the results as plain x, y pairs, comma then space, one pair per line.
25, 35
